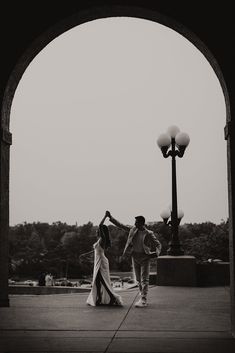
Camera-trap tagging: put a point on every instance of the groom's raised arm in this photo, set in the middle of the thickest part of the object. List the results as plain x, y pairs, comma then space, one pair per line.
117, 223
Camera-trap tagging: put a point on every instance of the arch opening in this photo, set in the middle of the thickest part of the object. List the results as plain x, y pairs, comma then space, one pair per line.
88, 16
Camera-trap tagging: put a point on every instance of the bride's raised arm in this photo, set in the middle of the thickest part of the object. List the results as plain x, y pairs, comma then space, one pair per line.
117, 223
102, 220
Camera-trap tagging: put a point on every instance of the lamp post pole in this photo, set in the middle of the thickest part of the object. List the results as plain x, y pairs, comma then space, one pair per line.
175, 246
180, 140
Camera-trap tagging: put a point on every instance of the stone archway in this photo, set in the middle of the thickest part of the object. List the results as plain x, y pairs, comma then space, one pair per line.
82, 16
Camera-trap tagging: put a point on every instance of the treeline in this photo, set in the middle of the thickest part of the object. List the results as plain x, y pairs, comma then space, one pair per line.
56, 248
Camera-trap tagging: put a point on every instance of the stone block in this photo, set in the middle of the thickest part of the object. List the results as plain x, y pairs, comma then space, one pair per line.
176, 271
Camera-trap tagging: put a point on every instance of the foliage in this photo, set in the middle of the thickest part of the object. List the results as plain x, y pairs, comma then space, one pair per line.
56, 248
212, 242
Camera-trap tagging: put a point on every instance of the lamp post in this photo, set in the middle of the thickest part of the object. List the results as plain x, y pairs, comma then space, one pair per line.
178, 141
166, 214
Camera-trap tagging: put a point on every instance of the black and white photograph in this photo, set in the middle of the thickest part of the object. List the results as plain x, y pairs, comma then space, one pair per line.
117, 164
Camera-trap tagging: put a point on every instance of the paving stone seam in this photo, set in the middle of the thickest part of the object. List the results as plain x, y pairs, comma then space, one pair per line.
114, 336
120, 330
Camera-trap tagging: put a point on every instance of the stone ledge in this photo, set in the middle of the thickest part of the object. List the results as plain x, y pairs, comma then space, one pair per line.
45, 290
214, 274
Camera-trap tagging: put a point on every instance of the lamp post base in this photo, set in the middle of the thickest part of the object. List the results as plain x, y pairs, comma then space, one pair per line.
176, 271
175, 250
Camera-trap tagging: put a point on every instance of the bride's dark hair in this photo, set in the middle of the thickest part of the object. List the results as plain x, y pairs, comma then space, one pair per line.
104, 234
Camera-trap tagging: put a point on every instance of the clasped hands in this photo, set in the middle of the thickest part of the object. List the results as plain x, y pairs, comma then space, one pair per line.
107, 214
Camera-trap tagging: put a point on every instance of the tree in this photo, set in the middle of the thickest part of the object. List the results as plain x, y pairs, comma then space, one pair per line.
57, 247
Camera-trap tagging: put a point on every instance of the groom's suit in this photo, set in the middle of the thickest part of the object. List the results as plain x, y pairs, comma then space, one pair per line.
140, 260
149, 239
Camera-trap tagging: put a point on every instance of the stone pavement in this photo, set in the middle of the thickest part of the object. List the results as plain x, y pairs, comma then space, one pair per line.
177, 319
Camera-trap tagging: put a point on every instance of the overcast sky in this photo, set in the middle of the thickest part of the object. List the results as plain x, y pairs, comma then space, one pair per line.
86, 116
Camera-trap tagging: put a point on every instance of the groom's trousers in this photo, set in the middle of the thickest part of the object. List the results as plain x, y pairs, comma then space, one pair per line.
141, 266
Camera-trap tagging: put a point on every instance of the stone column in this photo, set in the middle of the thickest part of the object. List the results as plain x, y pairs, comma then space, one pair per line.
230, 137
4, 214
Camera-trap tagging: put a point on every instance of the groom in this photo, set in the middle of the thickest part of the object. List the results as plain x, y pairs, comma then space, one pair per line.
139, 240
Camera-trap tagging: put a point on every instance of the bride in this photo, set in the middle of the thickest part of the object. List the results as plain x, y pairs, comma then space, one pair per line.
102, 291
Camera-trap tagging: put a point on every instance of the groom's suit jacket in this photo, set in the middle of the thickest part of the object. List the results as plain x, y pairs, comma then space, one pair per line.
149, 238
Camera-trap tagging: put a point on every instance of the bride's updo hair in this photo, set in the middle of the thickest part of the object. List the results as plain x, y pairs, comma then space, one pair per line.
104, 234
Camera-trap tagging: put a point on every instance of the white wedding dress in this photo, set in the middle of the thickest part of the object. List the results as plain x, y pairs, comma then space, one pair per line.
101, 264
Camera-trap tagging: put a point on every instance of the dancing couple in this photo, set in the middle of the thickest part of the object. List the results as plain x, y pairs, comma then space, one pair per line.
138, 245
